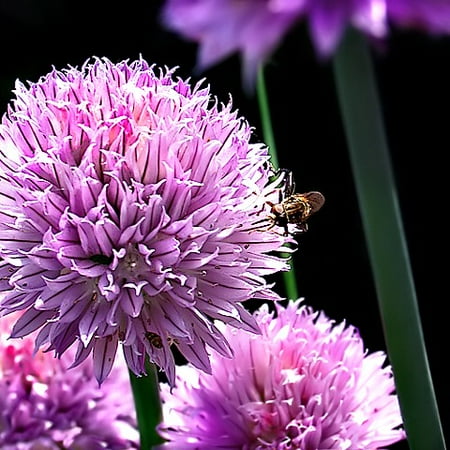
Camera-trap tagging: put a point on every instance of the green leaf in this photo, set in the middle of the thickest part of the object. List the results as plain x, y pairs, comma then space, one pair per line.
381, 217
289, 279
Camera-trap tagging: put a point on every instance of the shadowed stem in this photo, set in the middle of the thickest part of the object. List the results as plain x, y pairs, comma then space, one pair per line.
289, 279
148, 406
373, 175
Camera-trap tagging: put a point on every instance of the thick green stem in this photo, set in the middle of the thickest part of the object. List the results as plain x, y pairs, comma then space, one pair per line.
148, 406
373, 175
290, 282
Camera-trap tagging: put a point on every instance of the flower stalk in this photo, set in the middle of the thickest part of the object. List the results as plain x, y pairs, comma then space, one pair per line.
381, 217
290, 283
148, 406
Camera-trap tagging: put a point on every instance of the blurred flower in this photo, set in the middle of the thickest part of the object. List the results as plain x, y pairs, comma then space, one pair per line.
306, 383
256, 27
432, 16
127, 200
45, 406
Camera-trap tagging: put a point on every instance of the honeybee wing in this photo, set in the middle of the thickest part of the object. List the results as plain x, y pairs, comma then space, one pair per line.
315, 200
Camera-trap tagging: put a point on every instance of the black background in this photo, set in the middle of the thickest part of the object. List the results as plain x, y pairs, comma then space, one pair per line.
332, 263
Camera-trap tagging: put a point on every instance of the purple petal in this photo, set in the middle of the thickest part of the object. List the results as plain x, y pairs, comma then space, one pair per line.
104, 353
327, 21
14, 300
11, 239
29, 278
91, 320
432, 16
30, 321
44, 257
51, 300
130, 302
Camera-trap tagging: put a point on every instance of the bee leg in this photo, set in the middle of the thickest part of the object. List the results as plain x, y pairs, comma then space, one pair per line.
264, 226
267, 217
251, 230
285, 233
263, 208
271, 226
260, 220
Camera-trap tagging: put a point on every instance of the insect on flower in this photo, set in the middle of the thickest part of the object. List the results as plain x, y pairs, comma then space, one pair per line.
294, 209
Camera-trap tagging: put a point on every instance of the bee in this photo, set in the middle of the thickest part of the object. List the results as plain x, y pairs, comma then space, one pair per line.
294, 209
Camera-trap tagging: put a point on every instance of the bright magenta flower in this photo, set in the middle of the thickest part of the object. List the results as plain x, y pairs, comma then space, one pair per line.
306, 383
256, 27
47, 406
127, 199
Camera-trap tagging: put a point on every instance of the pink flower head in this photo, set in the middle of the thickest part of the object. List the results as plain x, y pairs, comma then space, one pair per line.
256, 27
46, 406
127, 209
306, 383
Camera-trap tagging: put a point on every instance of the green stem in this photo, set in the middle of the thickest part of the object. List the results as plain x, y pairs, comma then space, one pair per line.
148, 406
289, 279
373, 175
266, 121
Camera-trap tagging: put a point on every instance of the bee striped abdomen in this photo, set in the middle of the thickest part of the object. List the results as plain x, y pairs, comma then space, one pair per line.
296, 208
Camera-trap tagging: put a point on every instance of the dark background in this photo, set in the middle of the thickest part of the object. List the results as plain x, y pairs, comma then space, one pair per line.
332, 263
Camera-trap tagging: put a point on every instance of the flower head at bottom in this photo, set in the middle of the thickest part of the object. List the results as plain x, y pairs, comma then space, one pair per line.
306, 383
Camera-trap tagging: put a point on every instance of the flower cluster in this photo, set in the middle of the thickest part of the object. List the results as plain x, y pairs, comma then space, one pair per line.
128, 203
46, 406
306, 383
223, 27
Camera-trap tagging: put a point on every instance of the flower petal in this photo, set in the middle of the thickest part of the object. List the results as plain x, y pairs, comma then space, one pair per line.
104, 354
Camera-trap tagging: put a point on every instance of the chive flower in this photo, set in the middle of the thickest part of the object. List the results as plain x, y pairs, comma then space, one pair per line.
128, 203
47, 406
305, 383
223, 27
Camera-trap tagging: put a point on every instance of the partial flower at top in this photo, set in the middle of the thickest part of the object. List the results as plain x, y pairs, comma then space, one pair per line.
44, 405
306, 383
256, 27
127, 203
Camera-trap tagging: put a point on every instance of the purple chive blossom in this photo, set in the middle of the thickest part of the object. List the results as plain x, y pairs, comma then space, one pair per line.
432, 16
127, 207
223, 27
305, 383
45, 406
